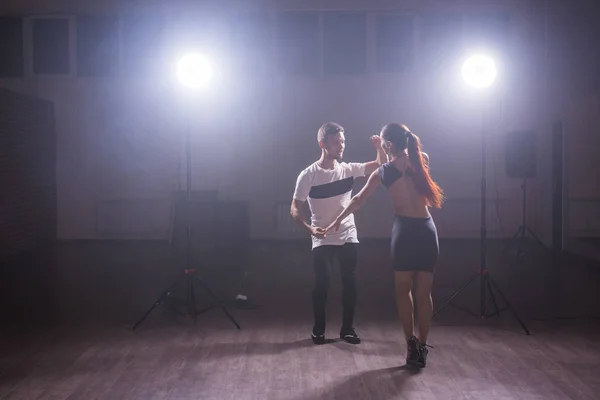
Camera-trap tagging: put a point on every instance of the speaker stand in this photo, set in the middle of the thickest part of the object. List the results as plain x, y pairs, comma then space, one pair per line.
521, 234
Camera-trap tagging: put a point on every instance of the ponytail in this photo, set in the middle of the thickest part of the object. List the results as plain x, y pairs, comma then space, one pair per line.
413, 145
423, 182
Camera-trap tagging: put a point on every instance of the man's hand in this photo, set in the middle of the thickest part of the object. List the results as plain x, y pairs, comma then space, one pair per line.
317, 232
376, 142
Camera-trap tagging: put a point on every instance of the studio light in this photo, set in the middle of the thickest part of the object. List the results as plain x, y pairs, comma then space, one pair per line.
479, 71
194, 70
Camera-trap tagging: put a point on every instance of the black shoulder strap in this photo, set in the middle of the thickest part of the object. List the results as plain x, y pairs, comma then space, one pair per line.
388, 173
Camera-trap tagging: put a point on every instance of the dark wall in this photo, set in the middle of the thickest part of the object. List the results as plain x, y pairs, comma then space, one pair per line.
27, 173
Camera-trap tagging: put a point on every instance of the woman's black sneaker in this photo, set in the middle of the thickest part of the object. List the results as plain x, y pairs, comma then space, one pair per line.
423, 351
413, 354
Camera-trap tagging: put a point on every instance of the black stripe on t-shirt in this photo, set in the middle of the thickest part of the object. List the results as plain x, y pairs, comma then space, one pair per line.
331, 189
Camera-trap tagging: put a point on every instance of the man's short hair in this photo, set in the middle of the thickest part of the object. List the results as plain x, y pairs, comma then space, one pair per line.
327, 129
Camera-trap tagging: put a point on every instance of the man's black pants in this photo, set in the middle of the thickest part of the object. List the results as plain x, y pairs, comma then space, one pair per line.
323, 259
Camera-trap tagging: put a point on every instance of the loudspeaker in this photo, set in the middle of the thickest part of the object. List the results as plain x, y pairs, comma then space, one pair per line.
557, 185
520, 154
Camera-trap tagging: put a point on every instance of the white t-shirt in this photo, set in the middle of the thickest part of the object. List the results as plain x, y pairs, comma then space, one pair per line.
328, 192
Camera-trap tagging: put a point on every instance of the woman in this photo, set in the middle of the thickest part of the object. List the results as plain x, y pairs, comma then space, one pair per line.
414, 243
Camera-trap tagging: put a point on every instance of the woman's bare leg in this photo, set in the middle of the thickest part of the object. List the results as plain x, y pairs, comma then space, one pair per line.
423, 284
404, 302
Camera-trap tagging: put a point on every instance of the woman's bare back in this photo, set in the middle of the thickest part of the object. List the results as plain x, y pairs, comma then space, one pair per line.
405, 197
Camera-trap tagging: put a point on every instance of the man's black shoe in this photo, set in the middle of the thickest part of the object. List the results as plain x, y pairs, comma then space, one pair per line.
350, 336
317, 339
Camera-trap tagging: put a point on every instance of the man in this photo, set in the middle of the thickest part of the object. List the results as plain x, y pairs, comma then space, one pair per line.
327, 186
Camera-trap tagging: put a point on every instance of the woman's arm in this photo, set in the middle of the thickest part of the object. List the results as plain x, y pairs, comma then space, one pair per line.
358, 200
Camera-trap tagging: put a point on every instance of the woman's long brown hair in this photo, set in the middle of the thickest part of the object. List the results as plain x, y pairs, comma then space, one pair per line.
403, 138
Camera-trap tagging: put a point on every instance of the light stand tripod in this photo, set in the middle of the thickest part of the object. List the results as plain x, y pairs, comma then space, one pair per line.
189, 272
519, 236
486, 282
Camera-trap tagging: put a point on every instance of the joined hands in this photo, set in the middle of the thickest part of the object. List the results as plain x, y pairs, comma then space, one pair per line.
317, 232
320, 233
376, 141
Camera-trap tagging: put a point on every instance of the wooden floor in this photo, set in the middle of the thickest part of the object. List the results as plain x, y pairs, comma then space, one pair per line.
69, 336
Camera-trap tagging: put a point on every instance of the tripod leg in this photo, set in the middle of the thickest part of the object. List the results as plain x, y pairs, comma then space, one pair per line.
508, 305
217, 301
512, 239
157, 302
535, 237
460, 289
493, 300
191, 300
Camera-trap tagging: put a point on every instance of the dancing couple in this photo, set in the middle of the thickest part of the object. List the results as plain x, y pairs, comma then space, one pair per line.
326, 185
